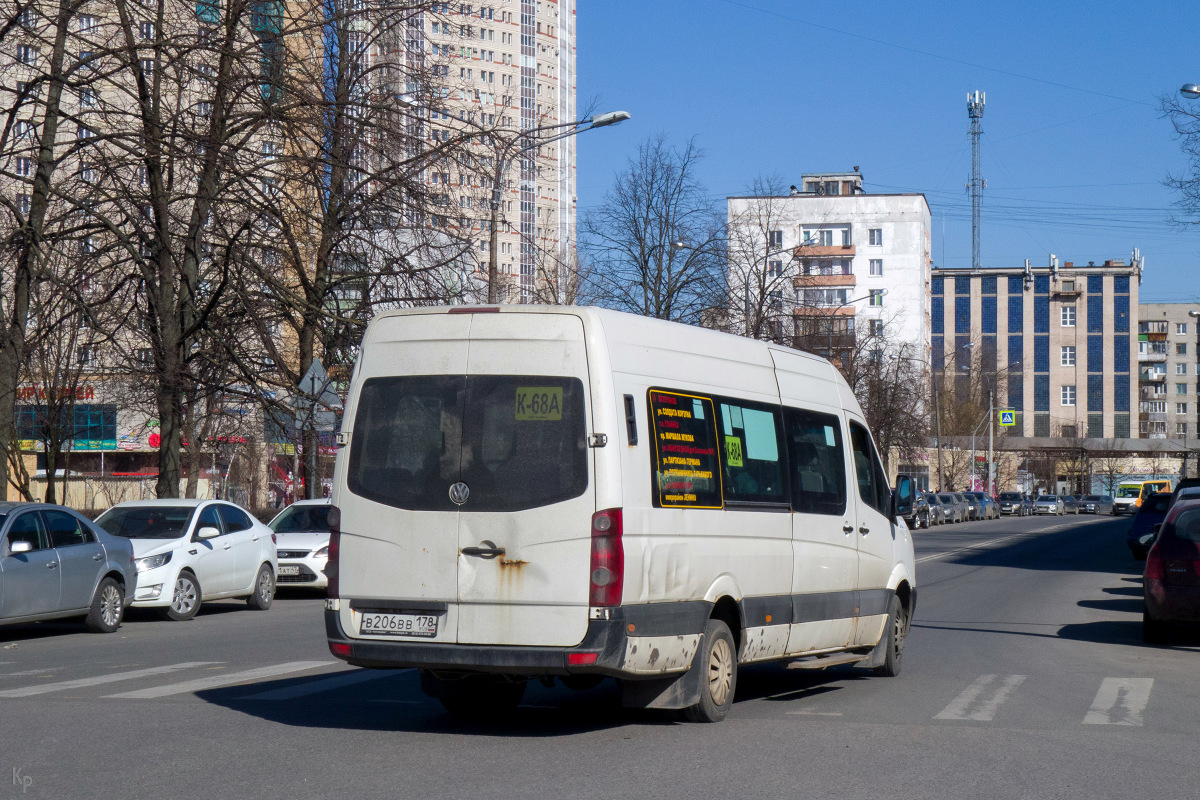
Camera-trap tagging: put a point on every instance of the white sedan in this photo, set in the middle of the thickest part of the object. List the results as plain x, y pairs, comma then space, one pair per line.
188, 551
302, 539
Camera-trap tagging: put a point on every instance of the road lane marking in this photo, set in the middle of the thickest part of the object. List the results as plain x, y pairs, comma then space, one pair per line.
348, 678
1120, 701
25, 672
815, 713
217, 681
970, 705
62, 686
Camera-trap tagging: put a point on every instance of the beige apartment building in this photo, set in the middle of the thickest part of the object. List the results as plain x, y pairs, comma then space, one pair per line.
1168, 365
1056, 343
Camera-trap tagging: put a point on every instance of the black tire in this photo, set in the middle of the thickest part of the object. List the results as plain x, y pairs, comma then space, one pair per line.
718, 674
1153, 631
897, 629
478, 696
264, 589
186, 597
108, 607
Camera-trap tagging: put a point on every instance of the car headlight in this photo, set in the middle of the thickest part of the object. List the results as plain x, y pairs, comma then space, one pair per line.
152, 562
322, 553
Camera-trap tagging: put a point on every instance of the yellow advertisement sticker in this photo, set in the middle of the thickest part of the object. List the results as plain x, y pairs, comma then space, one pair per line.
733, 451
538, 404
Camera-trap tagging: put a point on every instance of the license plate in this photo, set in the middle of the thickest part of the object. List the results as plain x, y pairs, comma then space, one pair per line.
285, 569
379, 624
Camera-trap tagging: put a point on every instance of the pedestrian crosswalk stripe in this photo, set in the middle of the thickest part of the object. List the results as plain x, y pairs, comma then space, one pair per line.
112, 677
26, 672
1120, 701
973, 704
349, 678
217, 681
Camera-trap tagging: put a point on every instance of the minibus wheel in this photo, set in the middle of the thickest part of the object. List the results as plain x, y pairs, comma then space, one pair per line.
718, 677
897, 626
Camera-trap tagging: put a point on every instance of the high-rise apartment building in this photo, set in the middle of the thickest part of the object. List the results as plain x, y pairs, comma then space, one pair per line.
509, 67
1168, 357
1056, 344
839, 264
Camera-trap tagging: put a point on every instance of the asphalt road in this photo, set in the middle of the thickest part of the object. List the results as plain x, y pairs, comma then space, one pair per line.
1024, 677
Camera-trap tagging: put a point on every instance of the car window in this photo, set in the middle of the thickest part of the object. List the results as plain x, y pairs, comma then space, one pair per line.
303, 518
818, 462
1156, 504
28, 528
752, 460
65, 530
234, 518
208, 519
1187, 525
872, 487
147, 522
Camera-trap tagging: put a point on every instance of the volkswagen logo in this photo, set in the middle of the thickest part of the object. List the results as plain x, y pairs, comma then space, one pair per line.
459, 493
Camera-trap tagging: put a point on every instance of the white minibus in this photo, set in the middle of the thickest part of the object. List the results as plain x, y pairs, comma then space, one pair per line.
532, 492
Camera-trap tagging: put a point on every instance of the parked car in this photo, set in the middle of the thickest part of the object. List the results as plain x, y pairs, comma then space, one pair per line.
54, 563
1152, 511
1096, 504
938, 511
1184, 483
972, 504
1171, 582
188, 551
1070, 503
1188, 492
988, 508
1013, 503
956, 507
302, 543
1048, 504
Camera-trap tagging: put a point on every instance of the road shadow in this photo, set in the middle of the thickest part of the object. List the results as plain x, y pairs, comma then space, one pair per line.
1091, 546
1126, 591
1125, 605
29, 631
396, 703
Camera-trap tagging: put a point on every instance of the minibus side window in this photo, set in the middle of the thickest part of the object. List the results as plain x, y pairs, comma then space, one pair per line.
751, 457
818, 463
687, 472
872, 486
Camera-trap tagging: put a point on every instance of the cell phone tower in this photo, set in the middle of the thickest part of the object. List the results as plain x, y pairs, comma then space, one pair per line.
975, 101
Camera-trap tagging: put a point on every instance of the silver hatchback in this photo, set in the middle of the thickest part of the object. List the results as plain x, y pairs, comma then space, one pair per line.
54, 563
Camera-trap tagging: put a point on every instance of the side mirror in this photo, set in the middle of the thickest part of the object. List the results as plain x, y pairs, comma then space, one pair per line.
903, 498
19, 547
207, 532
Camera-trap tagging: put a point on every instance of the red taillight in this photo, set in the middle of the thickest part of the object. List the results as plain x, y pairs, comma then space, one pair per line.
1154, 564
339, 649
608, 559
580, 659
335, 539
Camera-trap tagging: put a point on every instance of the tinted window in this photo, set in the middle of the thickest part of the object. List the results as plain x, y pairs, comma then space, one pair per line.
303, 518
65, 530
687, 471
1009, 496
872, 486
752, 458
946, 498
234, 518
208, 519
516, 442
28, 528
818, 462
147, 522
1156, 504
1187, 525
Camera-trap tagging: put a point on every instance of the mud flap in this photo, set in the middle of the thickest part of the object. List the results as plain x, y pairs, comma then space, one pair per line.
672, 692
878, 655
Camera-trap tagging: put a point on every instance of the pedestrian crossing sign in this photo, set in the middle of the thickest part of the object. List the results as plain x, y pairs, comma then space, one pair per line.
1008, 418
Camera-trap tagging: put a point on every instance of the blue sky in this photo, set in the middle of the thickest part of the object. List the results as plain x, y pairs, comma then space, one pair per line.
1074, 149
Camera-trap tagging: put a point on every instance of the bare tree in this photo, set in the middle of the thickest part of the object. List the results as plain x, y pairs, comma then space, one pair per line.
760, 271
656, 243
1111, 462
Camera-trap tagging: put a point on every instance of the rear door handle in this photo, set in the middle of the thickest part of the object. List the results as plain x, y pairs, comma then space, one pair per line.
52, 565
847, 528
228, 546
864, 530
97, 557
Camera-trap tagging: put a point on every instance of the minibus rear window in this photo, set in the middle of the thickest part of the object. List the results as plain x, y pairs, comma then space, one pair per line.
517, 442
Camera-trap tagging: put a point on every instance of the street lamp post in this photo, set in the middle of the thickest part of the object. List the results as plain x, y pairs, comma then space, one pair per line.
532, 141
